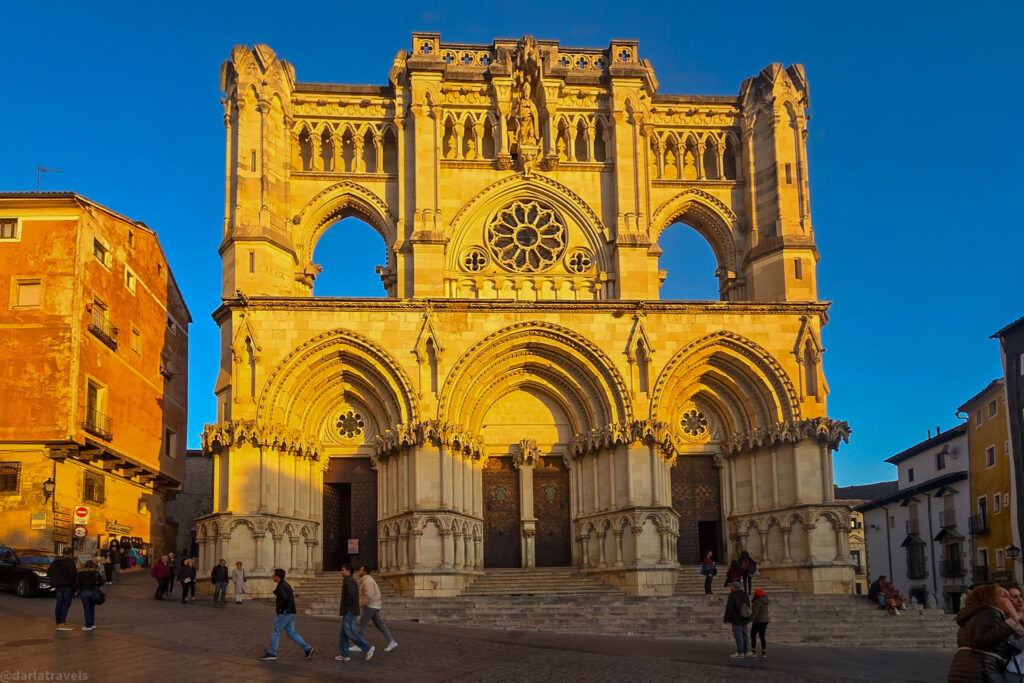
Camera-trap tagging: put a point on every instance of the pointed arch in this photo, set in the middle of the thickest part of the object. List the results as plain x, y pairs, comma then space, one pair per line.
338, 201
709, 216
553, 359
334, 367
746, 386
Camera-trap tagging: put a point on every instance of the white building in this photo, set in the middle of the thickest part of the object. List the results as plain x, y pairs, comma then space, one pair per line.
918, 536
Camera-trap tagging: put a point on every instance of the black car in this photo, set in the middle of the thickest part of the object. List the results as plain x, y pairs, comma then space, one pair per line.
25, 570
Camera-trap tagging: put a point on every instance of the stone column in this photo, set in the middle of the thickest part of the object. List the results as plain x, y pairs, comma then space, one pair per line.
655, 477
309, 568
797, 488
596, 478
754, 507
224, 538
585, 549
637, 530
403, 551
442, 459
294, 542
417, 536
258, 567
446, 553
478, 555
828, 492
280, 486
525, 456
808, 531
764, 545
276, 538
775, 479
458, 549
617, 547
601, 536
842, 543
786, 552
732, 486
612, 502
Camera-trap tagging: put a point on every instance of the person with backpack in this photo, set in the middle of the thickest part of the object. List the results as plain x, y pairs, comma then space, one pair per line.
709, 570
760, 615
749, 568
737, 613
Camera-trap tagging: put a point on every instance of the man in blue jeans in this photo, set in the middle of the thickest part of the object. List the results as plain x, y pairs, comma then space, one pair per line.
349, 611
285, 604
63, 577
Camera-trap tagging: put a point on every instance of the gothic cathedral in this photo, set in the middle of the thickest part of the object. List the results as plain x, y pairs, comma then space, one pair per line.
522, 397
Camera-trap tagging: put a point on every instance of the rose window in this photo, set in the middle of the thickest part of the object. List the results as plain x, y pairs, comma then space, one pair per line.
350, 424
526, 236
694, 423
579, 261
474, 260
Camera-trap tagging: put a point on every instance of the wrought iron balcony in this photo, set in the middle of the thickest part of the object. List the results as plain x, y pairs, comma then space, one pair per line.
978, 524
952, 566
913, 526
947, 519
980, 575
101, 326
98, 424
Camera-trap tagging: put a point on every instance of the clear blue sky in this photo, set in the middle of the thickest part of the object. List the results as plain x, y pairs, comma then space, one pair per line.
914, 150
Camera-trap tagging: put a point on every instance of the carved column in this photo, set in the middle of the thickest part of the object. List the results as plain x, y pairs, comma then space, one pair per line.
358, 162
601, 536
276, 538
308, 569
478, 554
316, 146
611, 479
224, 538
808, 530
842, 543
378, 148
458, 550
258, 564
828, 492
617, 547
585, 549
446, 553
294, 541
732, 486
403, 551
764, 545
775, 479
753, 482
637, 530
417, 536
525, 456
787, 555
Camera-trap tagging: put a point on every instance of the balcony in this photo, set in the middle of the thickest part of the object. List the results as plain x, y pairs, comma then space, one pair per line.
98, 424
916, 570
952, 567
947, 519
913, 526
980, 575
978, 524
101, 326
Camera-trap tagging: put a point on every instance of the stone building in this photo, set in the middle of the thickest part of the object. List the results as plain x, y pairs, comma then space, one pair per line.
521, 397
195, 499
853, 497
1011, 350
95, 350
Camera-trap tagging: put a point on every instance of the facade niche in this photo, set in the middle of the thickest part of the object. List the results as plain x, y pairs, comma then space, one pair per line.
729, 159
369, 152
711, 159
487, 141
390, 151
449, 144
306, 150
326, 151
810, 369
580, 151
599, 142
469, 150
348, 152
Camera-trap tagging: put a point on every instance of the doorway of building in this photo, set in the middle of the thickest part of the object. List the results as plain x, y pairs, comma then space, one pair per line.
502, 545
551, 508
350, 514
697, 500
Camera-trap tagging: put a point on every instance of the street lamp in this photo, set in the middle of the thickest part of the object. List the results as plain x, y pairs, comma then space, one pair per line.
49, 485
1013, 552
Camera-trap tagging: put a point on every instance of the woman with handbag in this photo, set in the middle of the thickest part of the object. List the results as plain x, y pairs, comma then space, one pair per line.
987, 620
89, 582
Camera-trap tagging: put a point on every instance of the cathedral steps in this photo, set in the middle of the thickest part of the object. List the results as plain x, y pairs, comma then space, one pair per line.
533, 600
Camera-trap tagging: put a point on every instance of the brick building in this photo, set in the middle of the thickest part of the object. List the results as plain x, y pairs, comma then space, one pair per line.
94, 354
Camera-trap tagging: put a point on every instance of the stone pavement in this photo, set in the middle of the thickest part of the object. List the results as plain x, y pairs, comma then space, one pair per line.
139, 638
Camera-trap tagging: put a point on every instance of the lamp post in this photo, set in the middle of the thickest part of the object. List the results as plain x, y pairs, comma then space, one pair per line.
1013, 552
48, 487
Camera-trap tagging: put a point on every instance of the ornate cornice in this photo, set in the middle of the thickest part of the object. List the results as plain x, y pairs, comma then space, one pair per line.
826, 430
234, 432
438, 434
647, 432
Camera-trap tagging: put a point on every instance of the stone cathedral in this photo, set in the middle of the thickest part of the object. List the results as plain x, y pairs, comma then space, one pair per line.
522, 397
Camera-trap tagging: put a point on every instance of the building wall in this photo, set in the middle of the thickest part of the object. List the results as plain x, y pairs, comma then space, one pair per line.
987, 429
81, 254
194, 500
1011, 344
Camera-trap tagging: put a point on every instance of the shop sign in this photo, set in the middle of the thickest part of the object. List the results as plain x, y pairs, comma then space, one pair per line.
38, 520
118, 529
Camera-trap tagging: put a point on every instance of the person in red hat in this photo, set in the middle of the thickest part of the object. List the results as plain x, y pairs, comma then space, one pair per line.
760, 615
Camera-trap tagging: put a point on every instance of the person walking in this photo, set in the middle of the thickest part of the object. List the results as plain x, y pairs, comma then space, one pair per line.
369, 604
89, 582
160, 571
284, 604
63, 577
760, 615
987, 621
238, 578
737, 613
709, 570
115, 562
349, 611
107, 568
219, 576
172, 572
749, 568
733, 573
187, 579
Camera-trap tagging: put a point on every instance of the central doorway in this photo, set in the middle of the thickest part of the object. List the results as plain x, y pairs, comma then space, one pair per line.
551, 508
502, 546
350, 514
696, 497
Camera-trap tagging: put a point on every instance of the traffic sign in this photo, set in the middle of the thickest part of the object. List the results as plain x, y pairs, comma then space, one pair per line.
80, 532
81, 515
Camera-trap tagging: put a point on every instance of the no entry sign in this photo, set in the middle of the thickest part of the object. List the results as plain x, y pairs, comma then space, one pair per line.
81, 515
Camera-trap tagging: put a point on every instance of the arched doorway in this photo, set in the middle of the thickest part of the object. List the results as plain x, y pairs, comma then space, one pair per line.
696, 498
690, 265
350, 514
349, 254
551, 508
502, 546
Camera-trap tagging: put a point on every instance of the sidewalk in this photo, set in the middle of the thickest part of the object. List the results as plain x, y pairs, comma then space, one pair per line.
150, 639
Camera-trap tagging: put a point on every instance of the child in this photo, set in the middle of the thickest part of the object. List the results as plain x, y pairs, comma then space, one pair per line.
760, 615
238, 578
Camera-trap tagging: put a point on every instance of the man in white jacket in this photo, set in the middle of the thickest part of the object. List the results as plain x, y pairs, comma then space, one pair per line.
369, 603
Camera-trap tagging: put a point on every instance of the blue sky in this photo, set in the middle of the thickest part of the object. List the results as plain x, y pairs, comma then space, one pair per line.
914, 157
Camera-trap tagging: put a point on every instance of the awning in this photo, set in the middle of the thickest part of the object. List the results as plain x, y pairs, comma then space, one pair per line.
910, 540
947, 533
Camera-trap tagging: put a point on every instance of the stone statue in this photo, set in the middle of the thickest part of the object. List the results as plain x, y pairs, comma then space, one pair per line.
524, 113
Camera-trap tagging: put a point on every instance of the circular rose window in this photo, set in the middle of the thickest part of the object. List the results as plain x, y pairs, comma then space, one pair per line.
349, 424
526, 236
694, 423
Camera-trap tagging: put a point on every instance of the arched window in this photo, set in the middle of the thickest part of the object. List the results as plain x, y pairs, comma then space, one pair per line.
730, 160
390, 152
487, 142
348, 151
599, 146
349, 252
306, 150
469, 150
326, 151
370, 152
642, 362
689, 264
580, 150
449, 145
711, 159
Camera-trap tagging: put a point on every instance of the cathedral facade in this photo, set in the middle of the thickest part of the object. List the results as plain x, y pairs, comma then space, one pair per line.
522, 397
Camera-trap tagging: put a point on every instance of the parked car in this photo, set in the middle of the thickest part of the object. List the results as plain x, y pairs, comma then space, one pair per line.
24, 570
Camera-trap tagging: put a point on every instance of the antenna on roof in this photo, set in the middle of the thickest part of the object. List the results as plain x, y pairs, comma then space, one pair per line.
40, 169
